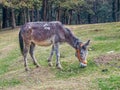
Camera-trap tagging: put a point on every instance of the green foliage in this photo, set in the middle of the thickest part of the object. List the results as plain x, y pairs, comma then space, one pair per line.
22, 4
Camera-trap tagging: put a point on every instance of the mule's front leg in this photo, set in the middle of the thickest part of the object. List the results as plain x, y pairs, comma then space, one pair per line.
50, 57
58, 65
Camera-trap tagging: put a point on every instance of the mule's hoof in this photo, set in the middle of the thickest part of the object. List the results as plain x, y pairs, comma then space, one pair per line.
82, 65
37, 66
27, 69
59, 67
50, 64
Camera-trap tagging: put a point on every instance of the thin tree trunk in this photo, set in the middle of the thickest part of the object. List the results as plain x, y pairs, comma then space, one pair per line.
28, 15
70, 17
114, 11
78, 18
13, 18
95, 8
1, 12
118, 5
118, 9
25, 18
58, 14
33, 19
4, 24
64, 16
18, 18
44, 9
89, 18
50, 16
38, 15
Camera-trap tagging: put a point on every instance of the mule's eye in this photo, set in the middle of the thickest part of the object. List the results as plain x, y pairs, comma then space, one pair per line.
81, 53
84, 47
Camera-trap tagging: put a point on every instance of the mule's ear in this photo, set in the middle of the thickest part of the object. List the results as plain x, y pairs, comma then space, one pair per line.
87, 43
78, 46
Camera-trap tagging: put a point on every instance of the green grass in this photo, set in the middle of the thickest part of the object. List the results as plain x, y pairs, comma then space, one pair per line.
8, 60
7, 82
111, 83
104, 38
72, 70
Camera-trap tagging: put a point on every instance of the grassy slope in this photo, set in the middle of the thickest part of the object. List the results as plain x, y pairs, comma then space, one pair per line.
104, 38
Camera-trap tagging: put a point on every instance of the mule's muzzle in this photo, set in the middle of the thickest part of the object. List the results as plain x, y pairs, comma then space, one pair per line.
83, 64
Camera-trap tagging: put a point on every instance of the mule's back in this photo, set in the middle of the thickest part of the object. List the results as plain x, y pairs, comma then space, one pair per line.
43, 33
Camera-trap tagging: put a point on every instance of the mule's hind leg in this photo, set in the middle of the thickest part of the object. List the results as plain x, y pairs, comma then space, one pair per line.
25, 52
32, 47
50, 57
58, 65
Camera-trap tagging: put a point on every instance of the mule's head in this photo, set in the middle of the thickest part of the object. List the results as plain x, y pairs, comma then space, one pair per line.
81, 53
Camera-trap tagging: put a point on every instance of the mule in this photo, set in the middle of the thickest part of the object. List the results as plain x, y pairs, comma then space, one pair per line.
49, 33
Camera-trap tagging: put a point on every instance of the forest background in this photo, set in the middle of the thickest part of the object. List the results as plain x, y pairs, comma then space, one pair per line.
17, 12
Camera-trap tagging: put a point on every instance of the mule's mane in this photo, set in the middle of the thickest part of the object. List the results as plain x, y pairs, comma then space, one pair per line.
68, 32
71, 38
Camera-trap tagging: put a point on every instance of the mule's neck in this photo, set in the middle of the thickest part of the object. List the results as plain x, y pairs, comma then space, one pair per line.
72, 40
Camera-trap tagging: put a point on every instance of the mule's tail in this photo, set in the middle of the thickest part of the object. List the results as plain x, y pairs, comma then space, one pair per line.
21, 42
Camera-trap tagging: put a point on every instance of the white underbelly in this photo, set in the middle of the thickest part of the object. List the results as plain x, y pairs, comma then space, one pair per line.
46, 42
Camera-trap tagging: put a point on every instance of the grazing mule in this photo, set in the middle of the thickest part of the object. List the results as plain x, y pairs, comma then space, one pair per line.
47, 33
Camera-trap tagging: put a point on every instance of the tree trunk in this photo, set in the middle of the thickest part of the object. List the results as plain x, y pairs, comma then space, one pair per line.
64, 17
1, 12
4, 24
25, 18
95, 9
114, 11
38, 15
19, 18
118, 5
28, 15
44, 9
118, 9
89, 18
70, 17
51, 12
32, 17
78, 18
58, 14
13, 18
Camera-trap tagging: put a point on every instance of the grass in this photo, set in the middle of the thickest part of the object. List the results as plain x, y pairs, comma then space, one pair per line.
7, 82
8, 60
104, 38
111, 83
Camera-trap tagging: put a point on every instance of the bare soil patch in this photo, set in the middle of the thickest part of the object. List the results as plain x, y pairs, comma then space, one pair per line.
109, 59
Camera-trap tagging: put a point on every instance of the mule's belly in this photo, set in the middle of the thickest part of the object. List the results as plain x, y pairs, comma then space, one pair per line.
46, 42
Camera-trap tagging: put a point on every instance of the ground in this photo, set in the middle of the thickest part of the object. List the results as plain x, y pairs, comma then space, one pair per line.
102, 72
106, 59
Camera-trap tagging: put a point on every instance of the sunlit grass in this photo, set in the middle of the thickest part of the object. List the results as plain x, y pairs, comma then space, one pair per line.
7, 82
111, 83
